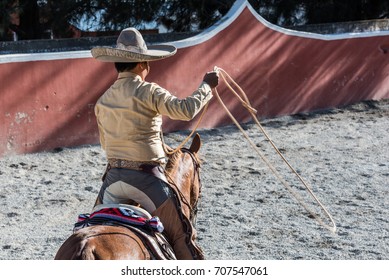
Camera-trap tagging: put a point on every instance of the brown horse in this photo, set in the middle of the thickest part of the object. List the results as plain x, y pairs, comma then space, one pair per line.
102, 242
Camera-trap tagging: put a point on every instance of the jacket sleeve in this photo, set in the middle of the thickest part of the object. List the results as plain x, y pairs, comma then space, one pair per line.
181, 109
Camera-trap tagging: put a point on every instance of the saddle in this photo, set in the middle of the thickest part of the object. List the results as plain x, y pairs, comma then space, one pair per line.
149, 229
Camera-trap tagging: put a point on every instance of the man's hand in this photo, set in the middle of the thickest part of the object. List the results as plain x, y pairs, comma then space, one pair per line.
212, 79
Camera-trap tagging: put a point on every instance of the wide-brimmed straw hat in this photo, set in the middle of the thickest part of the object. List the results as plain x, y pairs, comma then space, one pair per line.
130, 47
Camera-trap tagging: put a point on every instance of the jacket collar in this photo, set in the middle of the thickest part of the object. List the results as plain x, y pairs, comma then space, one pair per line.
124, 75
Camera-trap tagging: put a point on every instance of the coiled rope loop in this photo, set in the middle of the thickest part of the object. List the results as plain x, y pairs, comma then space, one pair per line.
246, 103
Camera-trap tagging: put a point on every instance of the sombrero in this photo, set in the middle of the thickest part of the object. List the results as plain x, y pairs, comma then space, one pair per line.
130, 47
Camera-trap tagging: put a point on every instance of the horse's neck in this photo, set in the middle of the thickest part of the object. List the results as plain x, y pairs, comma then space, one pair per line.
178, 176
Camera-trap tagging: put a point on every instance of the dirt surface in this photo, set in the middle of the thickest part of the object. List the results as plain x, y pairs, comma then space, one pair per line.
245, 212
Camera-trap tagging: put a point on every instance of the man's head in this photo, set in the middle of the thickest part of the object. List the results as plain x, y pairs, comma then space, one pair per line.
140, 68
125, 66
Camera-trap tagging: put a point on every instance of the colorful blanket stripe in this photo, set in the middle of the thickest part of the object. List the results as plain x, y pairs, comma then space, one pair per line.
121, 215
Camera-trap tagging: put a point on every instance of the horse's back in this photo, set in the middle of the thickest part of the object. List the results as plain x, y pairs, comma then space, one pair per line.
103, 243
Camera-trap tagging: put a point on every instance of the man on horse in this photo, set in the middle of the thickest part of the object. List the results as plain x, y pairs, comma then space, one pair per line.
129, 117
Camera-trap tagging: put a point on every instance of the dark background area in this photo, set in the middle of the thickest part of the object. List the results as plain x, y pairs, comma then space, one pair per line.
48, 19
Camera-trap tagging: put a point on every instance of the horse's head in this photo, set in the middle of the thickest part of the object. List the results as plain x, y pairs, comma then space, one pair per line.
183, 173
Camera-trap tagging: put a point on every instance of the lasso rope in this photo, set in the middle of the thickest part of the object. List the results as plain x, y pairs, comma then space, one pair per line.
246, 103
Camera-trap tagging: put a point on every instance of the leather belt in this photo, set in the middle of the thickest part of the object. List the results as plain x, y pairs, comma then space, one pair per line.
129, 164
151, 167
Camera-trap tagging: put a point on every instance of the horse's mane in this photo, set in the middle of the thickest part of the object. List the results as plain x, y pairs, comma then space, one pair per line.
173, 158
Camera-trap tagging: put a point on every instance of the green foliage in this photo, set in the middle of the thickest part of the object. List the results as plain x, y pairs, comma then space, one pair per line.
192, 15
39, 17
300, 12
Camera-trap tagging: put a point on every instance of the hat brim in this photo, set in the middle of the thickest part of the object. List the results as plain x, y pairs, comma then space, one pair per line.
154, 52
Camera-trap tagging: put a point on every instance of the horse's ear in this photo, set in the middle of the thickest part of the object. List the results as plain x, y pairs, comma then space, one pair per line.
196, 144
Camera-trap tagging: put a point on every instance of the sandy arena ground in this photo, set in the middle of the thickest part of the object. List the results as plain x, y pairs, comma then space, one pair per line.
245, 212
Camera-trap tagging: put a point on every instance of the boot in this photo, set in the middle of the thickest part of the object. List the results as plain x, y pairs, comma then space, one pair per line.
178, 230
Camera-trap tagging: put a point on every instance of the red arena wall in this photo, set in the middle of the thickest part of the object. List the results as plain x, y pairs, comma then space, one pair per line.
47, 100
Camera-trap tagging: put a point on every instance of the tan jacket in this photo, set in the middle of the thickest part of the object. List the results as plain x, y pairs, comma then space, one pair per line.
129, 116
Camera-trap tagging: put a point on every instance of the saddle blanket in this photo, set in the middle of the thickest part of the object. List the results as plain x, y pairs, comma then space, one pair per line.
118, 215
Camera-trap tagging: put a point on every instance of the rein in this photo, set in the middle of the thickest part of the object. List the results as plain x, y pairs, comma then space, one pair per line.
181, 146
246, 103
